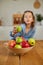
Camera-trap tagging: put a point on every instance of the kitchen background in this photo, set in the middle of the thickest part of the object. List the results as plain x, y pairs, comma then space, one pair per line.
10, 7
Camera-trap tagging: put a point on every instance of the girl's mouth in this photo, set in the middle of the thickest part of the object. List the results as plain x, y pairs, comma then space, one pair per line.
27, 22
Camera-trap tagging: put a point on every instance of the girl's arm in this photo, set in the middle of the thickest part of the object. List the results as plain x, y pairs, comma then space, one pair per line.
11, 34
15, 35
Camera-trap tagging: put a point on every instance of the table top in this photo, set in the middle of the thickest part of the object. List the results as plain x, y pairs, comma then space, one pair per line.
33, 57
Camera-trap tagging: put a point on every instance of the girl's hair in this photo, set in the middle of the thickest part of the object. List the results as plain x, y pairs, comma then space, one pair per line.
32, 24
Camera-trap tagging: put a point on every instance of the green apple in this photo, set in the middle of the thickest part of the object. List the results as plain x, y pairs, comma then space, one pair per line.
31, 41
18, 46
19, 28
19, 40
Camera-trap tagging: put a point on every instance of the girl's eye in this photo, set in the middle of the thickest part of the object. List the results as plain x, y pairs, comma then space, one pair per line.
30, 17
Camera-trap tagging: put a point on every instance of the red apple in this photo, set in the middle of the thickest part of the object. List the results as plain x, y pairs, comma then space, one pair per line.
12, 44
24, 44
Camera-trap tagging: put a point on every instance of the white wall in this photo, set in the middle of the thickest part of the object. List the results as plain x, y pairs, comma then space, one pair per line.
9, 7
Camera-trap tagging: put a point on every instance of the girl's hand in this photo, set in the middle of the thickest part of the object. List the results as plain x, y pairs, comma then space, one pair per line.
14, 31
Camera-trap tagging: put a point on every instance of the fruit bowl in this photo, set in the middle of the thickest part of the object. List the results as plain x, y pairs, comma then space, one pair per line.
20, 46
20, 51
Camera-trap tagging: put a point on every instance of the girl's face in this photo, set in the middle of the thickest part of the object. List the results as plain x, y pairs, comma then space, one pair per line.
28, 18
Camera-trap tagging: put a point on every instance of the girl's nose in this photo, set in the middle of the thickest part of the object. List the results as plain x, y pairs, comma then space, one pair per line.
27, 20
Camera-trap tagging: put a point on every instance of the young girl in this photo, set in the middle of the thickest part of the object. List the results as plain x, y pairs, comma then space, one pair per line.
28, 28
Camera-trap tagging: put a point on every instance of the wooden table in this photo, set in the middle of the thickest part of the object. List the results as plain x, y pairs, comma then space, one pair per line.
33, 57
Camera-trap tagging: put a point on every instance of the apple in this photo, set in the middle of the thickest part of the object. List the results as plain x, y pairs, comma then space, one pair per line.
19, 28
18, 40
18, 46
24, 44
11, 46
23, 38
12, 43
31, 41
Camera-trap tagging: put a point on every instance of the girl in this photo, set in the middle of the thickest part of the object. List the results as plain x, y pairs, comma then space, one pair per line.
28, 28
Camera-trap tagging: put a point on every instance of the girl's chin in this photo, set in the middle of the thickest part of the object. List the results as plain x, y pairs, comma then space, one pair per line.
27, 23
